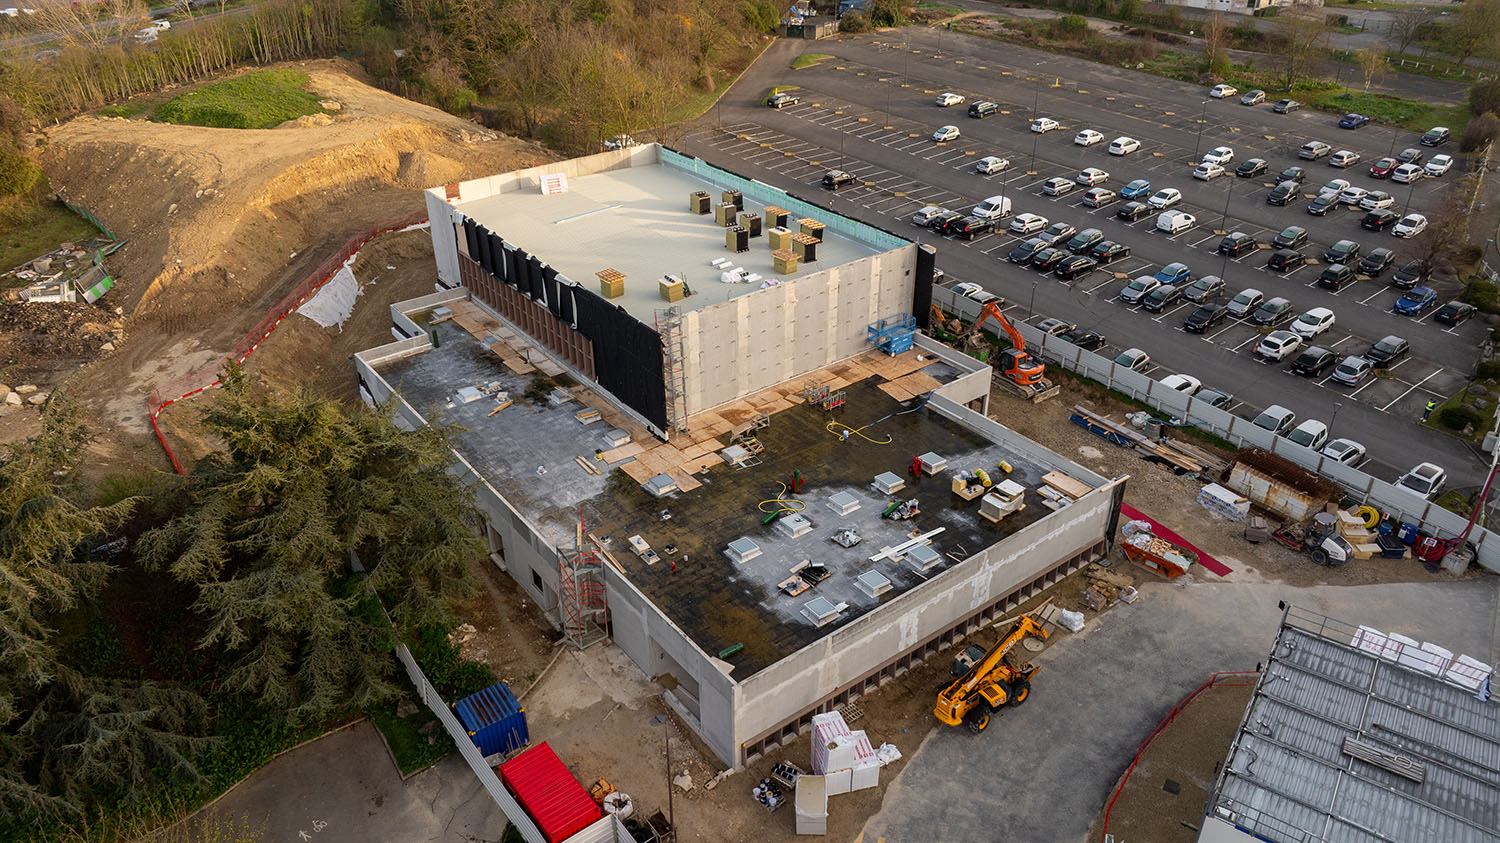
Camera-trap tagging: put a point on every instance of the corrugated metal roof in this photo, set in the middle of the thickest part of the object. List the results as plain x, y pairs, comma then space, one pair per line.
1288, 779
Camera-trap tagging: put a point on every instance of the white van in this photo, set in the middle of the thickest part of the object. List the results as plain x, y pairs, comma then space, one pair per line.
993, 208
145, 36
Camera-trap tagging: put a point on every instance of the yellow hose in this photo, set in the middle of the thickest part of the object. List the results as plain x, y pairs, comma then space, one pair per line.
843, 435
782, 504
1370, 514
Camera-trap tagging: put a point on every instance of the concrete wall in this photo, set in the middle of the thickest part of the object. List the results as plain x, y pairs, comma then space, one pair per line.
401, 311
973, 385
804, 678
755, 341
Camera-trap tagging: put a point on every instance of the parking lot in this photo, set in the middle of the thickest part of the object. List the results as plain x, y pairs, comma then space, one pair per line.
871, 112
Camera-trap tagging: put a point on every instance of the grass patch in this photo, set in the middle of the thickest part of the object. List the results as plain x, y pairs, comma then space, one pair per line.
1467, 402
124, 109
404, 736
1414, 115
258, 100
809, 60
32, 226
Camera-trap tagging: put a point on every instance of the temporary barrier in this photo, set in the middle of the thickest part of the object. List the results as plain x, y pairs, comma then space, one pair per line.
494, 719
208, 377
549, 793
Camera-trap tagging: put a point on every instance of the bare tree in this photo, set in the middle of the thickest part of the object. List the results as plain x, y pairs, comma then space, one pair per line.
1447, 231
1304, 37
1474, 33
1216, 44
1407, 24
1371, 63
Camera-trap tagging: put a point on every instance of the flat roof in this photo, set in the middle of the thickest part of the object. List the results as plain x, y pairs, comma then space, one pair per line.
1290, 774
529, 453
636, 220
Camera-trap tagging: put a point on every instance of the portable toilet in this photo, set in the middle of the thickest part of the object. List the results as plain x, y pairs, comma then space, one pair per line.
495, 721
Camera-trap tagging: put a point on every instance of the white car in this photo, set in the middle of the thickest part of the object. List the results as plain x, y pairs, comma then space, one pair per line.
1345, 451
1410, 226
993, 208
1058, 186
967, 288
146, 35
1221, 91
1425, 479
1343, 158
1407, 173
1091, 176
1439, 165
1087, 137
1186, 384
1309, 434
1044, 124
1278, 345
946, 133
1334, 186
1175, 222
1219, 155
1124, 145
1313, 322
1133, 359
991, 164
1377, 199
945, 100
1165, 198
158, 24
1028, 223
925, 216
1207, 171
1353, 195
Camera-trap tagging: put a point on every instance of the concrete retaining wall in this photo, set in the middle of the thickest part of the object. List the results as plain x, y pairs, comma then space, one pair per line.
1272, 494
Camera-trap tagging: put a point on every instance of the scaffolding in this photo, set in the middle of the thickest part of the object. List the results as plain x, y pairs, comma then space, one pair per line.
582, 605
669, 325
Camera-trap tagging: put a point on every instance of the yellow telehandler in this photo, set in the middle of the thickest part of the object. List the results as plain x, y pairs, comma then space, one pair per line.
989, 680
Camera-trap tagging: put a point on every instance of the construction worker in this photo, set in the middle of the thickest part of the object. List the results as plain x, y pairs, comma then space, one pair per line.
1427, 411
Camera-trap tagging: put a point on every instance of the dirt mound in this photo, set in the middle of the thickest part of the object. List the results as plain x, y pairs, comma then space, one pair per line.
38, 340
422, 169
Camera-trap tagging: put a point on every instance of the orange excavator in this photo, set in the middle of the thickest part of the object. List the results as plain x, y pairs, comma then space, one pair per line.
1024, 375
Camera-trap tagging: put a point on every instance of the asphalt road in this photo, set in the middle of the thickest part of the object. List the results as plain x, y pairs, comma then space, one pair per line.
871, 110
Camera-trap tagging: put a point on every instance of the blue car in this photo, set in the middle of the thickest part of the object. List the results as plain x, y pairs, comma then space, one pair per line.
1353, 120
1177, 273
1136, 189
1416, 301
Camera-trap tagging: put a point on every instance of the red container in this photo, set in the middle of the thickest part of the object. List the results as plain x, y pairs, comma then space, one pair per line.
549, 793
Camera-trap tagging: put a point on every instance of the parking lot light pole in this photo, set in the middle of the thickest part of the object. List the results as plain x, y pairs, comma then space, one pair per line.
1031, 307
1202, 121
1337, 405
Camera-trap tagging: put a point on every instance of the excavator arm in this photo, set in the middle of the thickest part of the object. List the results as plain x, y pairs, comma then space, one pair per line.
982, 683
992, 311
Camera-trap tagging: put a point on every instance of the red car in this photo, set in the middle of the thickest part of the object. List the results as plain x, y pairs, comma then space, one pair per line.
1383, 168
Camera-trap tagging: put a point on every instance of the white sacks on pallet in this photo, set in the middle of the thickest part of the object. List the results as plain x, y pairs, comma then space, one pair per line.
845, 757
1225, 502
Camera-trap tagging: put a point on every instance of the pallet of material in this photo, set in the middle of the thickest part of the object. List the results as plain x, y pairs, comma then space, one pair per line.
1127, 437
1065, 484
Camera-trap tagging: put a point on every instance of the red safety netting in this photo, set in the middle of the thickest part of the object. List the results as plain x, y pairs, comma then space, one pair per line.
193, 383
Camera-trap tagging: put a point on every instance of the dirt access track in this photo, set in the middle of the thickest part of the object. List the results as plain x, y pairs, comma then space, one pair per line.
222, 222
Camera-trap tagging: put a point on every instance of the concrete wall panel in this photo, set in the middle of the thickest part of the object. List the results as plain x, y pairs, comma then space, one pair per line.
444, 242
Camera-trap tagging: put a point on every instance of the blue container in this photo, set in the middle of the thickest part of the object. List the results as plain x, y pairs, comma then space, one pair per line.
494, 720
1408, 532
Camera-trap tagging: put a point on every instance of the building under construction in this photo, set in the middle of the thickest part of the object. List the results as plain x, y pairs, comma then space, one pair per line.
701, 421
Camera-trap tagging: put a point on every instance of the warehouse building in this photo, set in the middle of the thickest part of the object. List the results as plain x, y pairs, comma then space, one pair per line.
698, 461
1357, 735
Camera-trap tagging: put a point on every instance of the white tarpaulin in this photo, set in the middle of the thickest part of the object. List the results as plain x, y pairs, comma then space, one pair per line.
334, 301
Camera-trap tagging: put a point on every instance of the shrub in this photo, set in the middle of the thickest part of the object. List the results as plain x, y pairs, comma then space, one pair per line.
17, 174
1128, 9
887, 13
454, 677
1481, 130
1495, 338
1459, 417
1488, 370
1484, 295
854, 22
1484, 97
1070, 27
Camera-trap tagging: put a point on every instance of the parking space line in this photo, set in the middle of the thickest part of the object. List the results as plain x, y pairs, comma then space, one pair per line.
1410, 388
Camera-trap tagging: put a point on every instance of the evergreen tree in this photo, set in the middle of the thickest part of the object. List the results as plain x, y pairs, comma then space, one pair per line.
272, 522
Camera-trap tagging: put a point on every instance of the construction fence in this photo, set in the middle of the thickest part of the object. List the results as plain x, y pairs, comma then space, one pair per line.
195, 382
1397, 501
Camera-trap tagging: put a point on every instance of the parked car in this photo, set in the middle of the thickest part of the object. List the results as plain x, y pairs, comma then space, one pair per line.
1379, 219
1245, 302
1108, 251
1313, 150
981, 110
1376, 262
1353, 195
1276, 419
1439, 165
1410, 226
1086, 340
1353, 370
1133, 359
1165, 198
1042, 125
967, 289
1410, 155
1026, 250
782, 99
1344, 251
1207, 171
1047, 259
925, 216
1292, 173
1162, 298
1353, 120
1275, 312
1075, 267
1286, 106
1237, 243
1313, 362
1207, 288
1219, 92
1138, 289
1322, 204
1345, 451
1205, 317
1028, 223
969, 227
1136, 189
1343, 158
1388, 352
1055, 327
1283, 193
1383, 168
993, 208
1291, 237
1084, 240
1278, 345
1255, 97
1175, 273
1313, 322
1336, 277
1214, 397
1090, 176
1186, 384
1058, 186
1219, 155
1057, 232
835, 179
992, 164
946, 100
942, 219
1454, 313
1087, 137
1335, 186
945, 133
1310, 434
1416, 301
1175, 222
1410, 275
1426, 479
1098, 197
1251, 167
1123, 145
1407, 173
1435, 136
1376, 200
1285, 260
1132, 211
